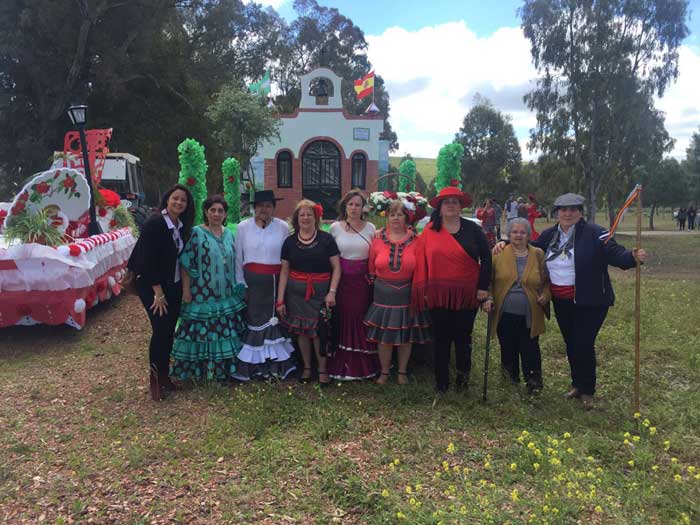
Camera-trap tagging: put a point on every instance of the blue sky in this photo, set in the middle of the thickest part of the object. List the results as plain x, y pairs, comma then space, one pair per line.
436, 55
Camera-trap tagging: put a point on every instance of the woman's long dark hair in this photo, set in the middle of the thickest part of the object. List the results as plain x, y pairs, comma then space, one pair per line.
187, 216
436, 218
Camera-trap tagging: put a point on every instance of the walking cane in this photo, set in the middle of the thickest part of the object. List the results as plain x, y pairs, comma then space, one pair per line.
486, 357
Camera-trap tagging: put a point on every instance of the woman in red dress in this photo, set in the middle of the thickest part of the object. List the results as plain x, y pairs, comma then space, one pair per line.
533, 214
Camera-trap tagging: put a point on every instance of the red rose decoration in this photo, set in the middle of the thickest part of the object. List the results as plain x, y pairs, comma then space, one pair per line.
390, 195
454, 182
18, 208
42, 187
74, 250
68, 182
24, 196
191, 181
231, 179
318, 210
113, 223
102, 212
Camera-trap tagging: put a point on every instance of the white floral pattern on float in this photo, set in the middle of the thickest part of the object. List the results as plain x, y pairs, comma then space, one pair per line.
380, 201
40, 284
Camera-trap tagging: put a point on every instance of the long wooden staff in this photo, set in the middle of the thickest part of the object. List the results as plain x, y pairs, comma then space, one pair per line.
486, 357
637, 306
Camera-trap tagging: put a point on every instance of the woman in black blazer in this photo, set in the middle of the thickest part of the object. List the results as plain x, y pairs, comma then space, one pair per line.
155, 263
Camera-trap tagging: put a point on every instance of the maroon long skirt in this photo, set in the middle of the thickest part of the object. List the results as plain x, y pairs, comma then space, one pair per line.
355, 357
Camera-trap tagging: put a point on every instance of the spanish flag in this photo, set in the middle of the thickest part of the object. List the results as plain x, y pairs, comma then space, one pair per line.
364, 86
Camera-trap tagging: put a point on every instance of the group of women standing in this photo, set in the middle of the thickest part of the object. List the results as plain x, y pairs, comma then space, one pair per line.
239, 301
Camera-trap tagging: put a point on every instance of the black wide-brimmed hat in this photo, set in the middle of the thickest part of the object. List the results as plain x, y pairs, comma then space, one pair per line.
265, 196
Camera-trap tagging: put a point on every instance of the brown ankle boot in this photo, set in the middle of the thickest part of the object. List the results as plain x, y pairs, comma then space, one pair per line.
154, 384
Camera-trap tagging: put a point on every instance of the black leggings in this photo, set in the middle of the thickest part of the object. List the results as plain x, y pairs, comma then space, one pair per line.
579, 327
163, 326
452, 326
516, 344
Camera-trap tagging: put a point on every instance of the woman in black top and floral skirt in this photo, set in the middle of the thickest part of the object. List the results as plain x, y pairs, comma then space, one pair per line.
309, 277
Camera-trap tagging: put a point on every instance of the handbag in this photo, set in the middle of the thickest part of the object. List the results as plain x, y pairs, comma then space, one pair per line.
547, 307
327, 331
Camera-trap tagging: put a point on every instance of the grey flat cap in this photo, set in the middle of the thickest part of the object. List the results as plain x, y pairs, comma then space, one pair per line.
569, 199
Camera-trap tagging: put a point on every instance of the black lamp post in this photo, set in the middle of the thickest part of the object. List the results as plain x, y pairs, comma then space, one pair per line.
78, 116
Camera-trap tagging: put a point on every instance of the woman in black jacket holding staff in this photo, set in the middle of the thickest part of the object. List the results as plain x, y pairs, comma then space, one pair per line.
158, 282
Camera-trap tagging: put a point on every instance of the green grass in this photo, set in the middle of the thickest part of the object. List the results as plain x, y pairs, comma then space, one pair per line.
426, 167
79, 440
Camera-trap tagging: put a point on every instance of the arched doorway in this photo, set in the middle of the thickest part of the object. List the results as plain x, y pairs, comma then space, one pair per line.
320, 175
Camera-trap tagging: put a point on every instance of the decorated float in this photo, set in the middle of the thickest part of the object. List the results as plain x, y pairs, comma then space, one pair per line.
51, 270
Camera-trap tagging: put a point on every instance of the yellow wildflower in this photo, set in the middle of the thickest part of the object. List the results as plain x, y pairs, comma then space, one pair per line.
626, 442
667, 445
646, 422
631, 463
463, 510
419, 486
451, 448
536, 466
514, 495
412, 502
400, 515
627, 435
655, 468
697, 476
637, 415
487, 465
598, 509
396, 461
636, 439
531, 445
570, 450
385, 493
555, 442
409, 490
525, 433
513, 466
678, 477
674, 460
520, 439
567, 435
652, 431
691, 469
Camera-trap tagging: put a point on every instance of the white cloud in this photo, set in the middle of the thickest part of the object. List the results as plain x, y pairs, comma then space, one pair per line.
433, 73
681, 101
272, 3
448, 64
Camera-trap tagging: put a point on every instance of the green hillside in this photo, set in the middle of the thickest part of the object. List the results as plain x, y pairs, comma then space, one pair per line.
426, 167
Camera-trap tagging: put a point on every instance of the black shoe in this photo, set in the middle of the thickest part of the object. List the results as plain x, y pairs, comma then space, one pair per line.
303, 379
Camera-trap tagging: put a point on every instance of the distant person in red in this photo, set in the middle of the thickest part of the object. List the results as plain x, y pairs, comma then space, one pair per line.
532, 214
487, 215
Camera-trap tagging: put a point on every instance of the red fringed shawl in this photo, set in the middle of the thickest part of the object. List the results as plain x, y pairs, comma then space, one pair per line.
446, 276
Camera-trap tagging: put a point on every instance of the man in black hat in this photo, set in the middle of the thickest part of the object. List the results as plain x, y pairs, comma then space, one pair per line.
266, 350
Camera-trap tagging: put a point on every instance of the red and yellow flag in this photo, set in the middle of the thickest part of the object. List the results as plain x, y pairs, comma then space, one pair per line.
364, 86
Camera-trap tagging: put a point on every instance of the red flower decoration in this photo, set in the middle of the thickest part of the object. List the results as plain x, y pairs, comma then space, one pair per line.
74, 250
18, 208
231, 179
454, 182
24, 196
191, 181
318, 210
56, 175
42, 187
68, 182
390, 194
102, 212
113, 223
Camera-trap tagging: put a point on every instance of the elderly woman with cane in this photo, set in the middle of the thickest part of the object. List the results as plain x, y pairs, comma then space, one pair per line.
577, 256
520, 292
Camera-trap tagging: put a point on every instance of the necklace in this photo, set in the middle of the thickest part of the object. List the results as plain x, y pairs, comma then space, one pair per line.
520, 253
303, 239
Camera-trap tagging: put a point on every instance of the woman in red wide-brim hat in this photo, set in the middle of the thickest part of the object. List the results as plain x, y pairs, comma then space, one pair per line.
451, 279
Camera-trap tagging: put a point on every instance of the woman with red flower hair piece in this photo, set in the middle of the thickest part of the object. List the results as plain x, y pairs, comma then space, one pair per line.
451, 278
309, 278
533, 214
355, 357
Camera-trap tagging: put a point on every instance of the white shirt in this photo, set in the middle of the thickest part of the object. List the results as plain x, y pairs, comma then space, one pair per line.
177, 239
562, 269
259, 245
353, 246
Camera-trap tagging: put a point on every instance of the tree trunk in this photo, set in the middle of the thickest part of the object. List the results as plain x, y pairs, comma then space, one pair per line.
651, 217
611, 209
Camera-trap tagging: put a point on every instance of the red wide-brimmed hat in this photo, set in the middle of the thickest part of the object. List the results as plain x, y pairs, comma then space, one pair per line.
451, 191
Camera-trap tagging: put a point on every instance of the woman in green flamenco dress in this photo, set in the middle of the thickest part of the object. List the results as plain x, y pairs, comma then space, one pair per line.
207, 335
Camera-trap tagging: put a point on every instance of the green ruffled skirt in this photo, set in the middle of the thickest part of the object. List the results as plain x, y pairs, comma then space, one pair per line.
207, 340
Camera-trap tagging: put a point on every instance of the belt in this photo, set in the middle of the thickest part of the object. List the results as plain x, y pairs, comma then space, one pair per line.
267, 269
310, 279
